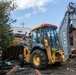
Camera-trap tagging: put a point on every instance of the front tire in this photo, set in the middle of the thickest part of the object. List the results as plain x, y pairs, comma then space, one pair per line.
39, 59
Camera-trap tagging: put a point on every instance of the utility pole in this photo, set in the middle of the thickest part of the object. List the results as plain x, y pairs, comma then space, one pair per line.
23, 24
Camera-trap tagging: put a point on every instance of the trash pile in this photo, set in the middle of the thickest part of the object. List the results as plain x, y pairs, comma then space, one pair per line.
8, 67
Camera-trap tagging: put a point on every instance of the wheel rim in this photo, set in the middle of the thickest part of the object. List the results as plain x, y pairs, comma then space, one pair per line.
36, 59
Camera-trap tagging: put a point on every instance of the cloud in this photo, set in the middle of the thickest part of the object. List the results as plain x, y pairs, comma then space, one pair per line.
34, 12
37, 4
34, 4
27, 15
42, 9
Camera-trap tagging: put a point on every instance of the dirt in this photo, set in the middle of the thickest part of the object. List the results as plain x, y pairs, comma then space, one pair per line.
67, 68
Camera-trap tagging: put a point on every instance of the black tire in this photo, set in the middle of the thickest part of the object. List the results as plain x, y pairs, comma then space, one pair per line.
43, 59
21, 60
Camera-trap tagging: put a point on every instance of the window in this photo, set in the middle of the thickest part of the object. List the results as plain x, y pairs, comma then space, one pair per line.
51, 35
36, 37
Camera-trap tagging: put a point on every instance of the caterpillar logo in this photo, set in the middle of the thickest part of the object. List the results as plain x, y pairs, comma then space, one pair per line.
64, 39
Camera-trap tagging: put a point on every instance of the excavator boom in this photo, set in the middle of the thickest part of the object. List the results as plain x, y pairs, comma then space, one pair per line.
69, 18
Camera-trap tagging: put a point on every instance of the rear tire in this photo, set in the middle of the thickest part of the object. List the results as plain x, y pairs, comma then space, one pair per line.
21, 60
39, 59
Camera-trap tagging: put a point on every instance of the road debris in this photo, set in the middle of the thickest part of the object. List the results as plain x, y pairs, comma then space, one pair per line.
14, 69
67, 68
70, 69
37, 71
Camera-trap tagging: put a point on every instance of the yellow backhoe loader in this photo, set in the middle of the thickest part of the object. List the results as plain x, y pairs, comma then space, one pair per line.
43, 47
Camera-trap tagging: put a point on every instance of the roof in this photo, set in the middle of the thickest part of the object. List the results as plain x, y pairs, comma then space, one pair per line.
20, 30
44, 25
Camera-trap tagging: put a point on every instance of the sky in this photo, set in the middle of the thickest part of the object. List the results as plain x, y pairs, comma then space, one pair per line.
31, 13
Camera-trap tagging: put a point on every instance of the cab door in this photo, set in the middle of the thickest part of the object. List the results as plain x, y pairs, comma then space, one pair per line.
36, 37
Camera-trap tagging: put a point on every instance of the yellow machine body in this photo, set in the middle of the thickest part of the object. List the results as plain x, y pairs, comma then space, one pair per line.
52, 55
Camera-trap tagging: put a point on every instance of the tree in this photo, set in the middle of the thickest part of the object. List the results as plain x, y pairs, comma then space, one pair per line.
6, 37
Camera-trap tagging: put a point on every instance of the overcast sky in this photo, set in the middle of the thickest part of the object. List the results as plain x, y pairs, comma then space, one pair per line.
35, 12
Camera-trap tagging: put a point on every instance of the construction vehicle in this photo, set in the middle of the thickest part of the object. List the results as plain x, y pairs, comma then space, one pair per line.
66, 28
46, 46
43, 47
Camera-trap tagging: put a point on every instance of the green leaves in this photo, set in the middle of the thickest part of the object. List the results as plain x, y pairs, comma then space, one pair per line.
6, 36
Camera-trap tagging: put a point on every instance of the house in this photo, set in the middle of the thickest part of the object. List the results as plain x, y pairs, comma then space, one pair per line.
20, 31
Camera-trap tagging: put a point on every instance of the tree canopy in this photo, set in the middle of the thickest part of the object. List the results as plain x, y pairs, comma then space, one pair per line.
6, 36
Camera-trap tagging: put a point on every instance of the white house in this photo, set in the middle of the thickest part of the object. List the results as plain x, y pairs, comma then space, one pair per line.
20, 31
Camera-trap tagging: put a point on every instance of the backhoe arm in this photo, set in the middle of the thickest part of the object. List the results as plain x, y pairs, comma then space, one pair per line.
69, 18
